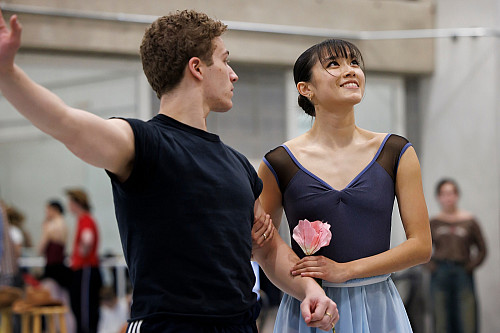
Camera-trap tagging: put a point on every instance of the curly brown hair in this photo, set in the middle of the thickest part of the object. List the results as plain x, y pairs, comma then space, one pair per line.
171, 41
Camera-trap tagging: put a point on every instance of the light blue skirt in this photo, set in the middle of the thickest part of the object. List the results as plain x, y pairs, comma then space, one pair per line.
368, 305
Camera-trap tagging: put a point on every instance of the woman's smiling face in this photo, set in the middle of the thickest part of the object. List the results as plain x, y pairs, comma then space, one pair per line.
337, 80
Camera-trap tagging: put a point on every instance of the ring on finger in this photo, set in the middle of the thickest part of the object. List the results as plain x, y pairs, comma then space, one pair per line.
265, 236
329, 315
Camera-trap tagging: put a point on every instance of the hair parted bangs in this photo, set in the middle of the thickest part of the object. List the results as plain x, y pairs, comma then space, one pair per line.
338, 48
323, 52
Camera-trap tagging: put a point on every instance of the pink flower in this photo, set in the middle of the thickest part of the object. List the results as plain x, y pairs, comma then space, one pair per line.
311, 236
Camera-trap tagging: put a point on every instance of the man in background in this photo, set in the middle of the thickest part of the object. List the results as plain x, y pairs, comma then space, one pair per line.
86, 283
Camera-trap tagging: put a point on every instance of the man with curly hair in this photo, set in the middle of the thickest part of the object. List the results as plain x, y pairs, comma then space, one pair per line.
186, 204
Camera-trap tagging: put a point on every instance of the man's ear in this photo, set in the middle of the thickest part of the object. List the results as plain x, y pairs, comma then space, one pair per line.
194, 67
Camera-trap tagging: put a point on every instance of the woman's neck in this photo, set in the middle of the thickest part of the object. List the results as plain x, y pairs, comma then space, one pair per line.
449, 211
335, 128
453, 214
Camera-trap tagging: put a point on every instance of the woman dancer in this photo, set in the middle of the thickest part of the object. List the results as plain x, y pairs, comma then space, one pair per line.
53, 243
347, 176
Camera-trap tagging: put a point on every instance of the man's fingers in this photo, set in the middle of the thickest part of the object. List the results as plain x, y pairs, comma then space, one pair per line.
270, 227
258, 227
333, 317
262, 229
306, 311
324, 317
319, 313
15, 26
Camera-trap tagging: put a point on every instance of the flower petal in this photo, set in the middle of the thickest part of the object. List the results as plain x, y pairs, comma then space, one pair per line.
311, 236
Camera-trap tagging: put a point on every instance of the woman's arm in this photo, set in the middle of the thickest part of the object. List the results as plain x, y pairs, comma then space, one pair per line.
44, 239
415, 250
276, 259
270, 197
480, 245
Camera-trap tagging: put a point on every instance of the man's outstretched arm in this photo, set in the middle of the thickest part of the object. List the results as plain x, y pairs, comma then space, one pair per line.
103, 143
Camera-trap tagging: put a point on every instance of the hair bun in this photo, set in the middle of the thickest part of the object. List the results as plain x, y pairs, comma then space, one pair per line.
306, 105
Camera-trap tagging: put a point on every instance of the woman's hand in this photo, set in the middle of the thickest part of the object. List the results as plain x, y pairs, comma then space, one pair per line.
262, 230
322, 268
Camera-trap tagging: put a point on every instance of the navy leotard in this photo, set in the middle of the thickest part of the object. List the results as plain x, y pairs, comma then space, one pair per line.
359, 215
360, 218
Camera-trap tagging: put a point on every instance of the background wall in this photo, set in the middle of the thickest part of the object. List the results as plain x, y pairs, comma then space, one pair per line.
99, 29
460, 131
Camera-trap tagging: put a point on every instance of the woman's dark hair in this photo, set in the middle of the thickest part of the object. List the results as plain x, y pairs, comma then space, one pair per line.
56, 205
445, 181
330, 48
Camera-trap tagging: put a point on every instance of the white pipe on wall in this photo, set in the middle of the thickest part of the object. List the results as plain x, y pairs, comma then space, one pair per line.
266, 28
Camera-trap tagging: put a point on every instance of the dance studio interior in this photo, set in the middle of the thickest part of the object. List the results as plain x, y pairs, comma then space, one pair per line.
432, 75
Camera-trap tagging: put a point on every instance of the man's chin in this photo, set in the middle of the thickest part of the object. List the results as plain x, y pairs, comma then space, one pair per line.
223, 109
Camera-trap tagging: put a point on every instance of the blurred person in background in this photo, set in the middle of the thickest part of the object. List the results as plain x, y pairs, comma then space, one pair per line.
57, 276
459, 248
348, 177
53, 244
9, 269
20, 237
114, 311
86, 283
3, 218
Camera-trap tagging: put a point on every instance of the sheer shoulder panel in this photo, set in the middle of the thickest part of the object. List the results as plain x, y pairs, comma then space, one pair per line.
282, 165
391, 153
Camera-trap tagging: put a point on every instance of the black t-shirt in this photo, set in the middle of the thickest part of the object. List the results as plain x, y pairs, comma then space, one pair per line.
185, 216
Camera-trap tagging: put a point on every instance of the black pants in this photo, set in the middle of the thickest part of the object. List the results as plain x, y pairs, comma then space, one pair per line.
245, 324
84, 294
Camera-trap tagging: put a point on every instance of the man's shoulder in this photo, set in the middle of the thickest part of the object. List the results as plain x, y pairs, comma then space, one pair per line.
237, 154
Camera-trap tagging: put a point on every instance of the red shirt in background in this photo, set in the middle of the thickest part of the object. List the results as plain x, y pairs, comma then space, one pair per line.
77, 261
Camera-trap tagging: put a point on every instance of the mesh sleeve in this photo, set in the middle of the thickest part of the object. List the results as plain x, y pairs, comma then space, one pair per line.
281, 165
391, 154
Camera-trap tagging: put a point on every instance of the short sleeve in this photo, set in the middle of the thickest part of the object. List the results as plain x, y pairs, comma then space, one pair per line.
255, 181
146, 139
257, 187
391, 153
281, 165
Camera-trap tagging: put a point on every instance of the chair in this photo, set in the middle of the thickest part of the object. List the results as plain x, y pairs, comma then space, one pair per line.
7, 296
37, 303
31, 318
